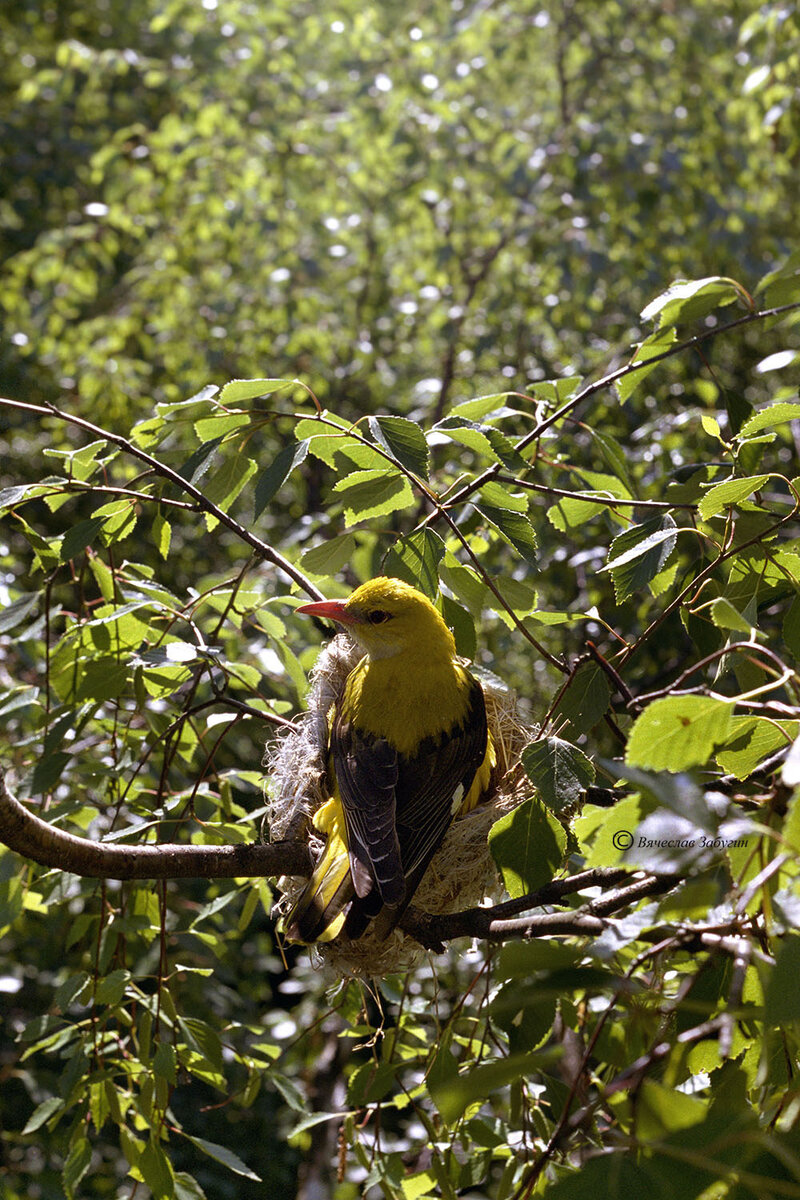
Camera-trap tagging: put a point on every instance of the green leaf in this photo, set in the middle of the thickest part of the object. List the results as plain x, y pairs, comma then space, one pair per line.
570, 513
726, 616
638, 554
528, 846
723, 495
329, 557
690, 300
459, 620
226, 483
220, 425
223, 1155
165, 1062
42, 1113
187, 1188
404, 440
239, 390
80, 536
111, 989
467, 585
119, 520
651, 348
15, 613
416, 559
373, 493
514, 527
769, 417
678, 732
782, 999
585, 700
480, 406
273, 477
484, 440
156, 1171
791, 627
198, 463
560, 771
453, 1096
751, 740
77, 1164
162, 535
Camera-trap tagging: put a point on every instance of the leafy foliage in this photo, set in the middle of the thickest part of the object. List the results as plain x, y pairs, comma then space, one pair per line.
403, 272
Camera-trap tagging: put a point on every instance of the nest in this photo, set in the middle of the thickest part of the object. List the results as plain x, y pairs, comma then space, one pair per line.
460, 875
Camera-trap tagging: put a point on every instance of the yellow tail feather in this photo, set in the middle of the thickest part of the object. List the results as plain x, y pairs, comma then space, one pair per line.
320, 911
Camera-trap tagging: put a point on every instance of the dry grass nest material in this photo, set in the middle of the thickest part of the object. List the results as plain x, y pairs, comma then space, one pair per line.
462, 872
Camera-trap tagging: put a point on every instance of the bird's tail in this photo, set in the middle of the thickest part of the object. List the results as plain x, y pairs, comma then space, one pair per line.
320, 911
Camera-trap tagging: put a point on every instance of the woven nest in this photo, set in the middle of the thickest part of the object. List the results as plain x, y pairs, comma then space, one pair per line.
461, 874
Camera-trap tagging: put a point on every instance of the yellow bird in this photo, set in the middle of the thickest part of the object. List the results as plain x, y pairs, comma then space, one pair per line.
408, 749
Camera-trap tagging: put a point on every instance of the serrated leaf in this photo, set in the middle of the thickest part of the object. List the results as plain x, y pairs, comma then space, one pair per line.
198, 463
570, 513
585, 700
329, 557
769, 417
454, 1095
678, 732
638, 554
42, 1113
220, 425
479, 406
416, 559
461, 623
751, 740
162, 535
223, 1155
467, 585
528, 846
111, 989
514, 527
651, 348
404, 440
560, 771
239, 390
273, 477
484, 440
80, 536
733, 491
156, 1171
373, 493
165, 1062
690, 300
497, 495
15, 613
726, 616
226, 483
76, 1165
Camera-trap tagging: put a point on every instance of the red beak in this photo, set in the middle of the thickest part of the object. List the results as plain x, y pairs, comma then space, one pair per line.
334, 610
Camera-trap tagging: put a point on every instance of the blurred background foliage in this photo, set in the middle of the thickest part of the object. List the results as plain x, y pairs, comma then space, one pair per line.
405, 207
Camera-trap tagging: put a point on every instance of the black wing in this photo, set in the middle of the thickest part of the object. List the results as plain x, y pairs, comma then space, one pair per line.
398, 807
366, 771
433, 783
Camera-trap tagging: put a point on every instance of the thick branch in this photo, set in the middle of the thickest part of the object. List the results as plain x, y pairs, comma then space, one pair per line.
500, 923
33, 838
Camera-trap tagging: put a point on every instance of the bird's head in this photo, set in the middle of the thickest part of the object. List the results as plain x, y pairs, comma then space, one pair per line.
387, 617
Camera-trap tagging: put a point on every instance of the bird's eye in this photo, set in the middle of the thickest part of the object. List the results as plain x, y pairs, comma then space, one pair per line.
378, 616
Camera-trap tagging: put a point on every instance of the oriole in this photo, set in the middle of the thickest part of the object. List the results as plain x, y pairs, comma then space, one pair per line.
408, 749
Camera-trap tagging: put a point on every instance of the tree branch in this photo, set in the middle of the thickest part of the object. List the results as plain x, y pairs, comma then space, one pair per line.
33, 838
